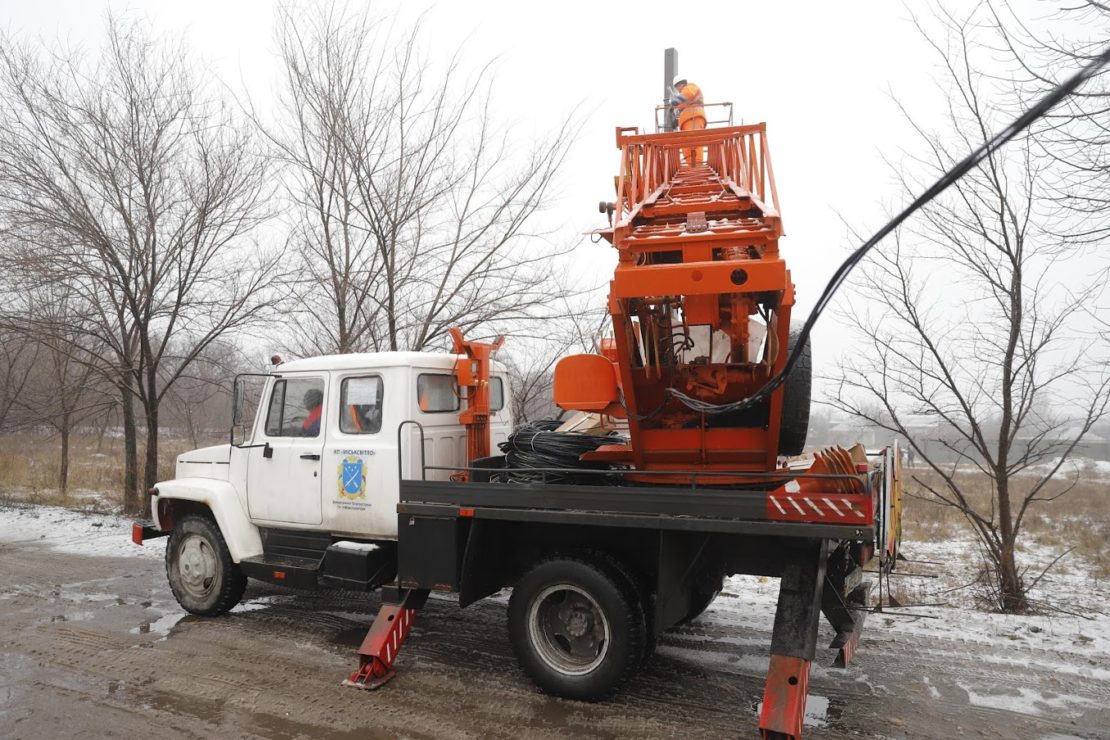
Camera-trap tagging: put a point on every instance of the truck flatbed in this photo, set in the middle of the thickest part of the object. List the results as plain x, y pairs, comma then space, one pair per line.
630, 506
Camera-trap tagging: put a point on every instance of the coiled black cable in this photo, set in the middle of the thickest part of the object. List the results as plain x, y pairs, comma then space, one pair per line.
535, 447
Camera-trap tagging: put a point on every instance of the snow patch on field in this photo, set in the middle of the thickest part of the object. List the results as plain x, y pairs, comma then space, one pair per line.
1073, 626
1024, 701
75, 532
1082, 467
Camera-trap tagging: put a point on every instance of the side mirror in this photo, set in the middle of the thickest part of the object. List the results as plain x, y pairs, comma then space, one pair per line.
240, 434
245, 395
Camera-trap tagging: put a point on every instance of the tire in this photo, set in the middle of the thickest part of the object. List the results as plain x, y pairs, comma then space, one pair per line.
203, 577
705, 592
577, 629
796, 394
621, 573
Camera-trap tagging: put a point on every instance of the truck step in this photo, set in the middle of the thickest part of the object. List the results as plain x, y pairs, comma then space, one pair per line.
294, 543
284, 570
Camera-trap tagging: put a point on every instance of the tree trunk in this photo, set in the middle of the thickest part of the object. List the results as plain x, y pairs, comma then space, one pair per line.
1010, 588
132, 501
190, 424
63, 463
150, 469
102, 431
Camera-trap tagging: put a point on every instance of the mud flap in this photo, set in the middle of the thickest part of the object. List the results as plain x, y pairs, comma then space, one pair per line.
794, 641
847, 617
844, 600
382, 643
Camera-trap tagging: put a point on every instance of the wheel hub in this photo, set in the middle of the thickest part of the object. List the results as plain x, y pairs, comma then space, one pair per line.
568, 629
197, 565
577, 622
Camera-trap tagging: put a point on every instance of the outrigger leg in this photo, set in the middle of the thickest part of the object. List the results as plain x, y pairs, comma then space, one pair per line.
794, 641
386, 635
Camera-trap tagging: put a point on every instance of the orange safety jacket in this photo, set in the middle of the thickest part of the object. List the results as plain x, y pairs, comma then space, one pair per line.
689, 104
310, 427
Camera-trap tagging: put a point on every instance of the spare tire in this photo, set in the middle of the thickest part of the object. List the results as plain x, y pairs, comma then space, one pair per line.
796, 400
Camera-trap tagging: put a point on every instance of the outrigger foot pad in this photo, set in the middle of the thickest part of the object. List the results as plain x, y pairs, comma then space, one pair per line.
382, 643
846, 645
365, 679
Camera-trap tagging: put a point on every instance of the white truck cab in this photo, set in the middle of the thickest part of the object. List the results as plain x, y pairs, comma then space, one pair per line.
318, 466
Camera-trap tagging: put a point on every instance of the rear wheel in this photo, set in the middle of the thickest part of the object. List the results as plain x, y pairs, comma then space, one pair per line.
577, 628
624, 576
705, 592
203, 577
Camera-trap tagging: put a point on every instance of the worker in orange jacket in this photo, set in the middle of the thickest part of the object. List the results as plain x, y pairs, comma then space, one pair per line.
688, 101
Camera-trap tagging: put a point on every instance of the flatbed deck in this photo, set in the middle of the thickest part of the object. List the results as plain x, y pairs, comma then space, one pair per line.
650, 507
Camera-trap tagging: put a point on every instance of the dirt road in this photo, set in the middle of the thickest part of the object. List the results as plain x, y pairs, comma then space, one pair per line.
96, 646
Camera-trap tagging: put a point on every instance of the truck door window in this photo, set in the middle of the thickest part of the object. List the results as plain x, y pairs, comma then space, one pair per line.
360, 405
496, 394
295, 408
437, 393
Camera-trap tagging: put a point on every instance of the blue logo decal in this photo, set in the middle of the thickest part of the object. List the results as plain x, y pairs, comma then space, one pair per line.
352, 478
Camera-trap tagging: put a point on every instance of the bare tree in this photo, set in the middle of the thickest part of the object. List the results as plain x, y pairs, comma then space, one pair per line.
127, 179
69, 388
414, 204
976, 317
200, 401
531, 360
18, 357
1074, 137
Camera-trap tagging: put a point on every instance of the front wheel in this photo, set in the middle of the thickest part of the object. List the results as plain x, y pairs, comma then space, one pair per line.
577, 630
203, 577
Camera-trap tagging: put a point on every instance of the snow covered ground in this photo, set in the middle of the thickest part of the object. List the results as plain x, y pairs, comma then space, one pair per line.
74, 531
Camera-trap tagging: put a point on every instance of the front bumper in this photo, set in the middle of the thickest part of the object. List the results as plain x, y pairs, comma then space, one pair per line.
145, 529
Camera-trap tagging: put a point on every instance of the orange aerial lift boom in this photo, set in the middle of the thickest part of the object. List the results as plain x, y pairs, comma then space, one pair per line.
700, 302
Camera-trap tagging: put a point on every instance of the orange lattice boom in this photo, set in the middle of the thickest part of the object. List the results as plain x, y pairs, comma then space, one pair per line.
700, 301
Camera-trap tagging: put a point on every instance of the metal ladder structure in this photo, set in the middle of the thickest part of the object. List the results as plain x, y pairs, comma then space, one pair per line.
700, 300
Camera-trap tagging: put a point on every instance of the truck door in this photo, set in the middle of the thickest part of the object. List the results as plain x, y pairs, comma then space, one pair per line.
360, 457
283, 475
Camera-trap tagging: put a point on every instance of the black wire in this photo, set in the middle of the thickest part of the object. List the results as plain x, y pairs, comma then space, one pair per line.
1022, 122
538, 445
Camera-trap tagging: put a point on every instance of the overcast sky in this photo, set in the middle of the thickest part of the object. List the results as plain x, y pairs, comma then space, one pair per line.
820, 74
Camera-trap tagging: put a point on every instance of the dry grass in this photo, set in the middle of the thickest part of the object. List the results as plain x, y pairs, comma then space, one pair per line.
29, 468
1079, 520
